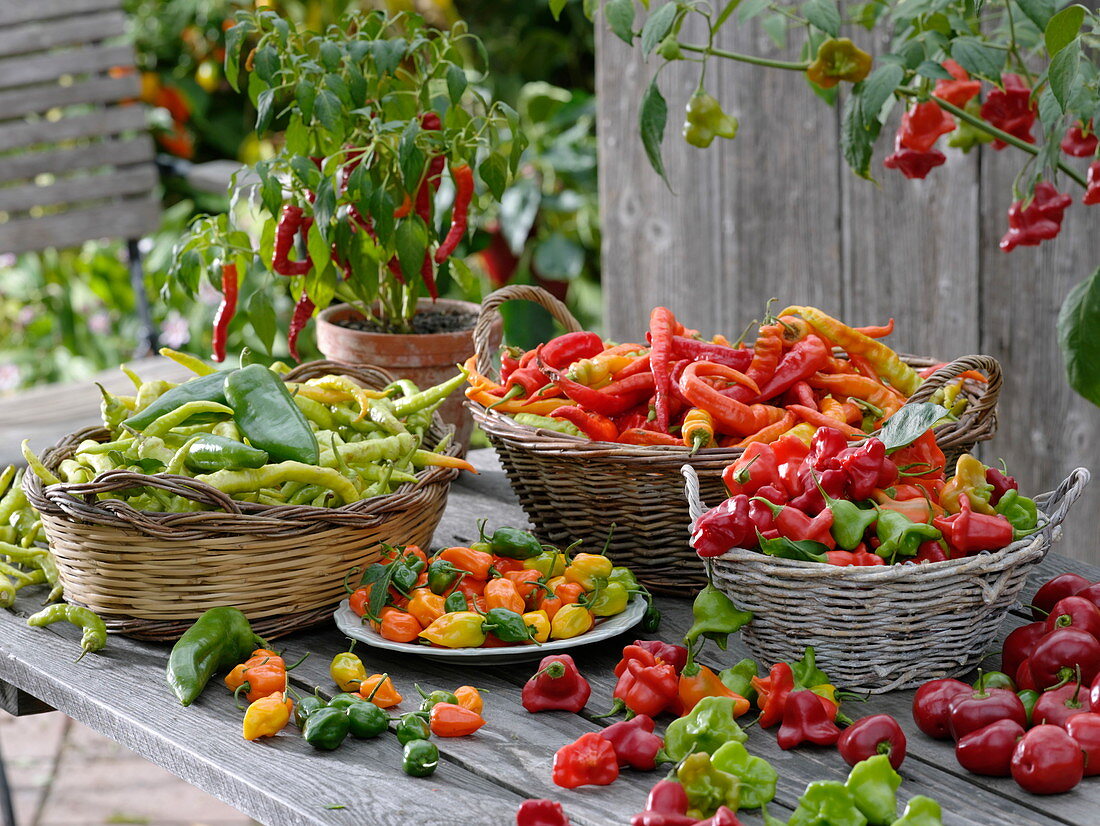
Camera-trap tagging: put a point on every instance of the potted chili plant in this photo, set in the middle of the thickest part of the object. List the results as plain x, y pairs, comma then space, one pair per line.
368, 200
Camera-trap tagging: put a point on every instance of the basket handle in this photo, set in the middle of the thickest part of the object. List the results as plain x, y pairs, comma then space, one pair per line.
490, 308
110, 481
1056, 503
977, 414
691, 492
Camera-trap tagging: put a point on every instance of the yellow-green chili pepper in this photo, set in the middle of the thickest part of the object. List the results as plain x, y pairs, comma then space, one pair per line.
570, 621
586, 568
460, 629
347, 671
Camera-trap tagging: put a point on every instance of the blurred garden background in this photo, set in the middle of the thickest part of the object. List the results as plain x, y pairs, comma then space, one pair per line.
65, 315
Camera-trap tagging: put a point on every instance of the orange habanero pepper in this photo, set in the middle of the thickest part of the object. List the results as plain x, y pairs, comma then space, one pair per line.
502, 593
426, 607
469, 697
476, 562
450, 720
399, 626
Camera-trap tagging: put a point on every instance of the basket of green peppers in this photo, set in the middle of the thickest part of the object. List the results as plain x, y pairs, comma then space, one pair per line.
243, 487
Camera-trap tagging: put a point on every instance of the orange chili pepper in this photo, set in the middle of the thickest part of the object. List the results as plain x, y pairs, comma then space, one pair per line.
469, 697
505, 565
264, 673
860, 387
380, 690
502, 593
476, 562
390, 554
399, 626
426, 606
450, 720
550, 603
819, 419
705, 683
526, 582
769, 434
733, 416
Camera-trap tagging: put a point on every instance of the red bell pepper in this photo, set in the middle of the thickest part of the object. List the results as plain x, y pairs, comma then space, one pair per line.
968, 532
772, 692
1019, 644
723, 527
868, 736
556, 685
541, 812
676, 655
931, 551
1024, 679
1085, 729
790, 452
932, 703
1063, 655
588, 761
1074, 612
988, 751
1047, 761
635, 743
979, 708
1057, 705
1055, 590
805, 720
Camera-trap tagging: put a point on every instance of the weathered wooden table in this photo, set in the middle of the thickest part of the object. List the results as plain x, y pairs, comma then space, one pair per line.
481, 779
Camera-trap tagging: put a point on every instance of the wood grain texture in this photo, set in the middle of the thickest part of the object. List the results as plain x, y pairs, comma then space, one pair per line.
26, 100
126, 218
40, 35
122, 182
111, 120
107, 153
14, 13
42, 68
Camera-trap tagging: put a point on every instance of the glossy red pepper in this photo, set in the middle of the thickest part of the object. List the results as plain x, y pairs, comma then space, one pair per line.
303, 311
818, 483
1085, 730
635, 744
739, 358
868, 736
772, 693
1002, 484
645, 686
1010, 109
666, 805
967, 532
754, 468
725, 526
1092, 187
1058, 656
662, 327
978, 708
912, 163
867, 468
1054, 590
676, 655
1092, 594
804, 359
1078, 144
1057, 705
1074, 612
290, 223
1047, 761
960, 89
596, 427
562, 351
1039, 221
931, 551
932, 703
860, 558
806, 721
797, 525
923, 124
988, 751
557, 685
790, 452
615, 399
588, 761
463, 177
1024, 679
1019, 644
541, 812
226, 310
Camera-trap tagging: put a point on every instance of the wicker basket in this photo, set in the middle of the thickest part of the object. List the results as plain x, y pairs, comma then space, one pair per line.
150, 575
884, 628
573, 488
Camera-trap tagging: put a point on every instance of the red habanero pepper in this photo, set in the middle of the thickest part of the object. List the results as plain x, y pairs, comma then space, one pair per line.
464, 190
857, 558
1092, 191
646, 685
303, 310
596, 427
1002, 484
634, 742
1077, 143
1039, 221
968, 532
562, 351
960, 89
226, 310
662, 327
290, 224
725, 526
667, 805
922, 126
805, 720
589, 761
541, 812
1011, 110
772, 692
754, 469
912, 163
557, 685
797, 525
803, 360
670, 653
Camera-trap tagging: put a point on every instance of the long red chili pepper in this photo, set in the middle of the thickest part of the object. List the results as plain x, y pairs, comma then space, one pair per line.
431, 123
290, 223
641, 436
737, 358
464, 190
302, 312
596, 427
427, 274
612, 400
662, 328
226, 310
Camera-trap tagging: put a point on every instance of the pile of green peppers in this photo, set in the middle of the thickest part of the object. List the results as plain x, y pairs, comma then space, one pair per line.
324, 442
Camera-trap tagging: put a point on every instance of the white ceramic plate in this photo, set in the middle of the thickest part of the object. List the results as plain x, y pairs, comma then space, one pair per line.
350, 624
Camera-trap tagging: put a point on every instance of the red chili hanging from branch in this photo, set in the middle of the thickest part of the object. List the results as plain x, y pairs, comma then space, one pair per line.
226, 310
464, 190
303, 310
290, 223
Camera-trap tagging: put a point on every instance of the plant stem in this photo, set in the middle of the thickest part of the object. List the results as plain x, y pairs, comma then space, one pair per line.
1013, 49
746, 58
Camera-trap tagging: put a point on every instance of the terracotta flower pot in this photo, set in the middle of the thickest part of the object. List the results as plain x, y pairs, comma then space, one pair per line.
426, 358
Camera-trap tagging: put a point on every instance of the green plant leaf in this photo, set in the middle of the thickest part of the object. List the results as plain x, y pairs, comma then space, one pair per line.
1038, 12
782, 547
411, 240
328, 111
978, 58
1064, 72
465, 277
775, 27
824, 14
877, 89
305, 93
620, 17
1063, 28
750, 9
330, 55
559, 258
318, 248
933, 70
494, 172
261, 315
909, 424
409, 157
234, 39
657, 25
266, 65
456, 83
1078, 321
556, 8
265, 110
297, 136
652, 120
858, 132
387, 54
724, 15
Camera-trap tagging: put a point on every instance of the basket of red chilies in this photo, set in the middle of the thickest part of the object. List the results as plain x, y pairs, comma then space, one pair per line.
872, 553
592, 433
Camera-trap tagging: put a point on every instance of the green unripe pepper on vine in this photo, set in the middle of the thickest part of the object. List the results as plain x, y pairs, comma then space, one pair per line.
839, 59
705, 121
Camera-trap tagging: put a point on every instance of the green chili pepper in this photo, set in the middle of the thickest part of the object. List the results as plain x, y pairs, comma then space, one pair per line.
873, 785
315, 412
366, 720
716, 617
707, 786
994, 679
757, 776
344, 700
411, 727
204, 388
507, 625
738, 678
430, 700
456, 602
1019, 510
305, 707
921, 811
901, 536
442, 575
433, 396
827, 803
390, 448
268, 416
175, 418
705, 728
651, 619
326, 727
850, 521
548, 423
1029, 697
381, 413
270, 476
210, 453
95, 631
625, 577
111, 409
420, 758
218, 640
514, 544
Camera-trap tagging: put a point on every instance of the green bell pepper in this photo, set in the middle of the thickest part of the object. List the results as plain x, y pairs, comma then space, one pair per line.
707, 787
268, 416
873, 784
921, 811
366, 720
706, 728
757, 776
420, 758
218, 640
715, 618
827, 803
209, 388
305, 707
326, 727
1019, 510
412, 726
738, 678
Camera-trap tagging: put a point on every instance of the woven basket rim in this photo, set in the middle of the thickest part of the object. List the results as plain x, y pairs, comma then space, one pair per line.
270, 519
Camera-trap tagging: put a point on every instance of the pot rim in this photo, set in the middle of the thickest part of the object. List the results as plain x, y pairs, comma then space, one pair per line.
327, 317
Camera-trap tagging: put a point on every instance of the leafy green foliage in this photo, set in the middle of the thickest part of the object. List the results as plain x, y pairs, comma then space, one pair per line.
1078, 322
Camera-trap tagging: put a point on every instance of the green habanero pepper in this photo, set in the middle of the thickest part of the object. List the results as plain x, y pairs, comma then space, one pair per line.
965, 136
1018, 510
431, 699
651, 619
456, 602
738, 678
366, 720
412, 726
827, 803
715, 618
758, 777
609, 600
514, 544
549, 563
305, 707
838, 59
209, 388
442, 575
705, 120
706, 728
219, 639
210, 453
344, 700
901, 536
507, 625
625, 577
420, 758
873, 785
268, 416
921, 811
707, 786
326, 727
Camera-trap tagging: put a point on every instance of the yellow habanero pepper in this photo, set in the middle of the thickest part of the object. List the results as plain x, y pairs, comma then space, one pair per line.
969, 478
571, 621
267, 716
459, 629
347, 671
586, 568
540, 622
549, 563
609, 600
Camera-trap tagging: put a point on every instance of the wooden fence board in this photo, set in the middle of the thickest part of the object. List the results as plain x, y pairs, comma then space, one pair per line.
41, 68
127, 218
42, 36
72, 159
127, 181
17, 103
29, 11
112, 120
